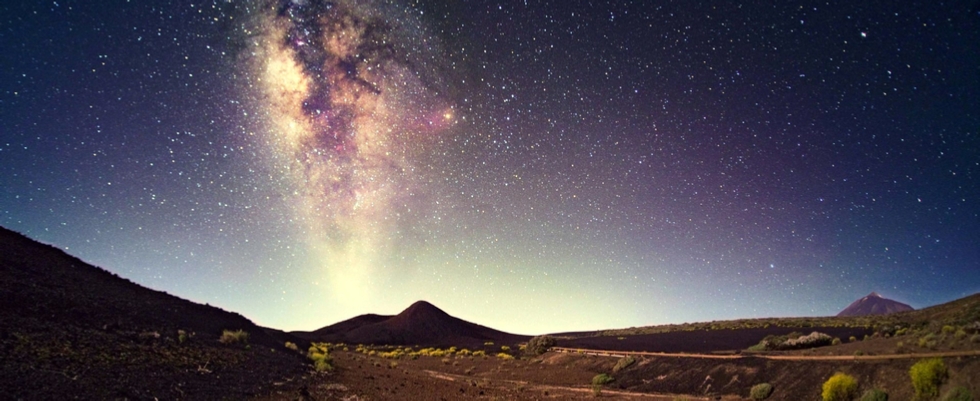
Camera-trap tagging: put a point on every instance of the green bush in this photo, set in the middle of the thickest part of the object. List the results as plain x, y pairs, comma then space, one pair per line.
234, 337
624, 363
927, 375
539, 345
874, 395
840, 387
601, 379
958, 394
760, 391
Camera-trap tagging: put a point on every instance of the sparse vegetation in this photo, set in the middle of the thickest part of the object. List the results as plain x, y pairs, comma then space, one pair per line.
930, 341
539, 345
874, 395
292, 346
602, 379
319, 353
182, 336
794, 340
840, 387
927, 375
958, 394
234, 337
623, 363
760, 391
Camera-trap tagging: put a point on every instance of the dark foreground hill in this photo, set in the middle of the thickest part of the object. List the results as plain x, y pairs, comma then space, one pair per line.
71, 329
874, 304
421, 324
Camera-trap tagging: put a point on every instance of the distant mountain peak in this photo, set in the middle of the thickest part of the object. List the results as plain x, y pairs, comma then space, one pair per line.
420, 323
874, 304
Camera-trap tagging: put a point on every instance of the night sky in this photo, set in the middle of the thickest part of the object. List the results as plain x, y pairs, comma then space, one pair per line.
533, 166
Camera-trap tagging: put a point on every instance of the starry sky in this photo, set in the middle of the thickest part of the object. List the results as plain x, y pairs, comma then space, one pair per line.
533, 166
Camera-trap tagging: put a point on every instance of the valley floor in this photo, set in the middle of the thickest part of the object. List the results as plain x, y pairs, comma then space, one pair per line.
568, 376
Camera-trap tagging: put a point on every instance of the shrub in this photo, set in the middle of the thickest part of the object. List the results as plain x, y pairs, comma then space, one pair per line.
505, 356
874, 395
928, 341
624, 363
504, 348
760, 391
960, 334
835, 342
539, 345
840, 387
292, 346
852, 339
182, 336
233, 337
947, 329
975, 338
958, 394
319, 354
814, 339
602, 379
480, 353
927, 375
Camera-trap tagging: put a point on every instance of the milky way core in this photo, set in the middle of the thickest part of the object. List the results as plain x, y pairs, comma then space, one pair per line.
350, 99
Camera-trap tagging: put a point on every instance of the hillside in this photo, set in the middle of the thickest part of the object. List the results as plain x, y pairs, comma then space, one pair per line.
72, 328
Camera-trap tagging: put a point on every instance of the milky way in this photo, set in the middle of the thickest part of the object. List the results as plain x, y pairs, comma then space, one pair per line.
350, 97
533, 166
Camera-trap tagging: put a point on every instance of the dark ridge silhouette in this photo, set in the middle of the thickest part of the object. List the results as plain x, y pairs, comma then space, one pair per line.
109, 327
874, 304
420, 324
336, 331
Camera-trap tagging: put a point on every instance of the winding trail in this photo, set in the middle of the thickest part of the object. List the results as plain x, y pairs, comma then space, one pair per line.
623, 354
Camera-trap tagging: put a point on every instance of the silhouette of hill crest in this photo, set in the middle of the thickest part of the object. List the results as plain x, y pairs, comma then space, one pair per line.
420, 324
874, 304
